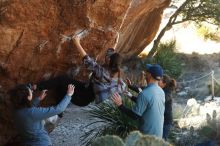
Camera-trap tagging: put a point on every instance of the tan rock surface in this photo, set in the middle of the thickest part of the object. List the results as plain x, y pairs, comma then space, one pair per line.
31, 46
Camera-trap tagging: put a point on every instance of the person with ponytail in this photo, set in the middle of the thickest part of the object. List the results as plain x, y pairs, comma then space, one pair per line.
105, 79
168, 85
84, 92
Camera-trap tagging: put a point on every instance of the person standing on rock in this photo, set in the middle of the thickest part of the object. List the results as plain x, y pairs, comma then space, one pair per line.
149, 107
29, 117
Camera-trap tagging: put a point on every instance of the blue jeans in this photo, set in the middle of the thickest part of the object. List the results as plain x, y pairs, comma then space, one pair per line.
166, 131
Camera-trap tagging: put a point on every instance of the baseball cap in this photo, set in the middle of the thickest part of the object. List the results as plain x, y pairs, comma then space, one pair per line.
109, 52
155, 70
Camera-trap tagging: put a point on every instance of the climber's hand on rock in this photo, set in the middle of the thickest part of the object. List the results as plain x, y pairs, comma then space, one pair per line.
76, 40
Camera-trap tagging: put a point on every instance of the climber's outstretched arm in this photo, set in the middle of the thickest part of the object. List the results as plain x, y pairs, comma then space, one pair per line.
76, 41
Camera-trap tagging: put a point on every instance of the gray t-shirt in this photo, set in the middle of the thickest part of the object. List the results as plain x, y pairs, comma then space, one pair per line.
150, 106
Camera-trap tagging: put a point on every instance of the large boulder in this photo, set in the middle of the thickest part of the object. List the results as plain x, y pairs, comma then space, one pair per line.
32, 46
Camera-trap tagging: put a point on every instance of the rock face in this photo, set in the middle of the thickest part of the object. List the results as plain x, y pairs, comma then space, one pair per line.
32, 46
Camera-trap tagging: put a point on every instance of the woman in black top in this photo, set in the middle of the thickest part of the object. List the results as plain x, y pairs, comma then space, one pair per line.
169, 85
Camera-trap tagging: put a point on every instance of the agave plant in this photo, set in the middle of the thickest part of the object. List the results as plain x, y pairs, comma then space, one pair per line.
107, 119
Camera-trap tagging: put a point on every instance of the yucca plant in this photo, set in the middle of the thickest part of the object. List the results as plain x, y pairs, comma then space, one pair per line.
167, 58
107, 119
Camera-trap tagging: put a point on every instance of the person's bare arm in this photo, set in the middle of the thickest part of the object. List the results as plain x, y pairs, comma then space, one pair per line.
76, 41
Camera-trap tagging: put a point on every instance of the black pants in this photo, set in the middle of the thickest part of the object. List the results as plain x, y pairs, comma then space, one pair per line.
82, 96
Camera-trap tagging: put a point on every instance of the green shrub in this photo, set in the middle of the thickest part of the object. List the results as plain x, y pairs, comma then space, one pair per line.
208, 33
211, 130
132, 138
135, 138
108, 140
177, 111
149, 140
217, 90
110, 121
168, 59
187, 137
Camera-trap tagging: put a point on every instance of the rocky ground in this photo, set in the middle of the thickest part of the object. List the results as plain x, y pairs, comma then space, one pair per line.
70, 127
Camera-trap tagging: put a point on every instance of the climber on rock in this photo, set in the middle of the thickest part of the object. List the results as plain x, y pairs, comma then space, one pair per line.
104, 80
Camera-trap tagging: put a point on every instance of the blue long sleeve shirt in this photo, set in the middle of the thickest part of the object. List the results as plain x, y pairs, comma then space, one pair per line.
29, 122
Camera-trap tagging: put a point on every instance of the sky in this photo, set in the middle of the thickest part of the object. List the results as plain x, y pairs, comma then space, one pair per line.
187, 39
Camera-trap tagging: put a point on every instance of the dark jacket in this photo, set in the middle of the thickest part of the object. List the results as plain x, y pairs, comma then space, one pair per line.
168, 116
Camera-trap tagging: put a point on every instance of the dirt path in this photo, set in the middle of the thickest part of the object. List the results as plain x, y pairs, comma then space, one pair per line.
70, 127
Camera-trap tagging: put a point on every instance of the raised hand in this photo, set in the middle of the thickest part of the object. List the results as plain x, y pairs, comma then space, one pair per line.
128, 81
70, 89
76, 40
116, 98
128, 94
34, 87
42, 95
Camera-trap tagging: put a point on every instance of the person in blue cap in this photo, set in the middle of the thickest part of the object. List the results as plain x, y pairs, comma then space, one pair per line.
150, 105
168, 85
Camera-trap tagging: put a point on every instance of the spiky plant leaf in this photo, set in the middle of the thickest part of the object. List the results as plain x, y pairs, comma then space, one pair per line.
107, 119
